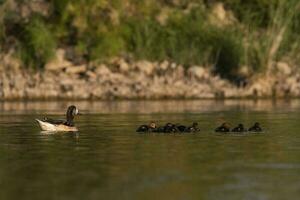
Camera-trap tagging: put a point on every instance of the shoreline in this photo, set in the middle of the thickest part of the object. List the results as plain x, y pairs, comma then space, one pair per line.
25, 100
138, 80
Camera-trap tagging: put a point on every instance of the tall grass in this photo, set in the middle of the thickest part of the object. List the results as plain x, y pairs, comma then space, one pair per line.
264, 46
36, 44
2, 16
187, 40
267, 31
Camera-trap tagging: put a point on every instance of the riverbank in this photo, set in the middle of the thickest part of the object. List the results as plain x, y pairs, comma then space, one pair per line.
121, 79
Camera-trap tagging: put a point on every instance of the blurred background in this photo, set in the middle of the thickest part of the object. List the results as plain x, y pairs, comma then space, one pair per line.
143, 48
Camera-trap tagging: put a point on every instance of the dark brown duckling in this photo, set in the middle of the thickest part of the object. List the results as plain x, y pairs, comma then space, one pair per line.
224, 128
159, 129
147, 128
170, 128
255, 128
240, 128
193, 128
181, 128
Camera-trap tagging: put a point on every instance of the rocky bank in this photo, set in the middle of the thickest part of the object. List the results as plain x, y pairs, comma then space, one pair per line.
120, 79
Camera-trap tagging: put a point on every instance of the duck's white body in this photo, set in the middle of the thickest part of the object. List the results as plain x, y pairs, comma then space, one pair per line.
46, 126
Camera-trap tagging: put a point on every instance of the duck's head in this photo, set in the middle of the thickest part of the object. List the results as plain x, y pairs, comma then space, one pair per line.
71, 112
241, 125
152, 125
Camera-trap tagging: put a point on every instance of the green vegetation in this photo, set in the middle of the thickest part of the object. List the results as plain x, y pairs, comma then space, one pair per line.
258, 33
36, 44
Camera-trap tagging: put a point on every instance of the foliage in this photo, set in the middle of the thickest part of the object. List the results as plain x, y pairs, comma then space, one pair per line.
265, 31
36, 45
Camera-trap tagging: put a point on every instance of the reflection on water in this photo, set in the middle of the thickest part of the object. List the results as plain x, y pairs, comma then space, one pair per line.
106, 159
167, 106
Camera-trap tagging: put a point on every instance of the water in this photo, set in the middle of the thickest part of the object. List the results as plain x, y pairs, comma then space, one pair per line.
106, 159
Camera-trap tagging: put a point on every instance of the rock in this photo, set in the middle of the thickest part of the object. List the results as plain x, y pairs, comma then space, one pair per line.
283, 68
9, 62
19, 82
162, 17
59, 63
244, 71
179, 72
220, 16
57, 66
102, 70
145, 67
198, 72
76, 69
91, 75
173, 66
164, 65
123, 66
114, 17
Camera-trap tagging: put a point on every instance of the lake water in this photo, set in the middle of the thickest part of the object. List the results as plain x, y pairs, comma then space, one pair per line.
107, 159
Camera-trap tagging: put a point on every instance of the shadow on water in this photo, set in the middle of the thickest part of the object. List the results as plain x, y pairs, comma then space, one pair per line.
107, 159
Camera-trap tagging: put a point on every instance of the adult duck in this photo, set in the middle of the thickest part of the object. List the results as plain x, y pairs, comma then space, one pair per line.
47, 124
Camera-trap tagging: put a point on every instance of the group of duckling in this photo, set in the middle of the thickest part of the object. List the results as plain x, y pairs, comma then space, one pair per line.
225, 128
177, 128
168, 128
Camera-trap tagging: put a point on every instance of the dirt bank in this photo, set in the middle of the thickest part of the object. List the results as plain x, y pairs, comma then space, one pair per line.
120, 79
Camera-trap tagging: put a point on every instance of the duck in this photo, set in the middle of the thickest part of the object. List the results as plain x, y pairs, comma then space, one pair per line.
159, 129
67, 125
224, 128
181, 128
170, 128
255, 128
239, 128
192, 128
151, 127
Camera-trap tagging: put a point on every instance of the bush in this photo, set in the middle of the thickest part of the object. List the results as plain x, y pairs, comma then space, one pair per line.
36, 44
106, 45
268, 30
187, 40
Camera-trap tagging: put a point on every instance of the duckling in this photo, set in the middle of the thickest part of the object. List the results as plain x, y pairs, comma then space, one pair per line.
159, 129
147, 128
239, 128
224, 128
170, 128
142, 128
47, 124
255, 128
193, 128
181, 128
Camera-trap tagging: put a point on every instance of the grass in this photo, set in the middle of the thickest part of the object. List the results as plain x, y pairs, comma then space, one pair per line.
36, 44
188, 41
267, 31
277, 40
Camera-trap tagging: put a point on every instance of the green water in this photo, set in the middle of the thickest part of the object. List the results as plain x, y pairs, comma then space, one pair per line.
106, 159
